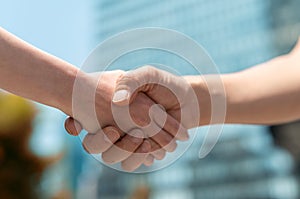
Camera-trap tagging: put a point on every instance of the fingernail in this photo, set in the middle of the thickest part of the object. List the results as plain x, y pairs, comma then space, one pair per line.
136, 136
184, 133
77, 127
86, 149
73, 131
120, 96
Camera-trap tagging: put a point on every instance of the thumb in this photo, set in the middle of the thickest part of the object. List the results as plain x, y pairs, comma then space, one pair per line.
72, 126
132, 82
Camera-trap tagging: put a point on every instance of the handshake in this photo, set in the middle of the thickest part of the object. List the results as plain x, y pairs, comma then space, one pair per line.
136, 117
131, 117
140, 114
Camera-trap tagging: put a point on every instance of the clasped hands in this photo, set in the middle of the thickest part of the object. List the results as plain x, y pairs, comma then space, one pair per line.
137, 90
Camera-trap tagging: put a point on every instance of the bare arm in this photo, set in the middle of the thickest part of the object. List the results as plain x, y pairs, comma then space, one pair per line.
31, 73
268, 93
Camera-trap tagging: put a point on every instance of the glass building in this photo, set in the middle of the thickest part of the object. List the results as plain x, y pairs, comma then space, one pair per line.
245, 163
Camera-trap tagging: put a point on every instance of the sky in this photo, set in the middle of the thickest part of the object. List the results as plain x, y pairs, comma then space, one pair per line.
58, 27
61, 28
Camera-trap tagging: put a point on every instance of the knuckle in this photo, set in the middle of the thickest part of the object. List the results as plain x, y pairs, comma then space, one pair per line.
128, 81
112, 131
148, 68
136, 140
145, 148
141, 121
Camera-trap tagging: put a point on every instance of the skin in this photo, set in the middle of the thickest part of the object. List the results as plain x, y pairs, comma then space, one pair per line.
31, 73
268, 93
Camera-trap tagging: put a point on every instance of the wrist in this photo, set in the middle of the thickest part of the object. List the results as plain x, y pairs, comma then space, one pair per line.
200, 88
221, 88
82, 103
90, 100
234, 89
64, 92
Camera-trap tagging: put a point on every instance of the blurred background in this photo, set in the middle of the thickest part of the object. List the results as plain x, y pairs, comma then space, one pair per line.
42, 161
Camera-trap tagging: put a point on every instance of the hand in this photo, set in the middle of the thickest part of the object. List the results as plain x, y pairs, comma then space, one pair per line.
174, 93
107, 137
102, 140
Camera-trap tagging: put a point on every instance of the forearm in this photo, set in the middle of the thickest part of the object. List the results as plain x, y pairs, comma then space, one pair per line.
31, 73
265, 94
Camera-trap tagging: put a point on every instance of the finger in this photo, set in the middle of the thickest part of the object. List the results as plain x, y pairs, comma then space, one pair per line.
72, 126
124, 147
129, 84
168, 123
137, 158
165, 140
149, 160
100, 141
157, 152
174, 128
